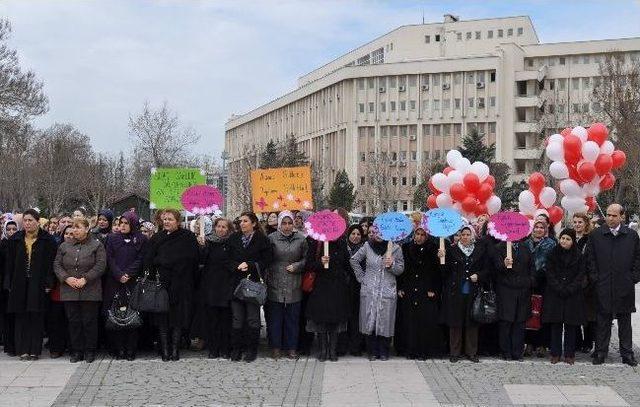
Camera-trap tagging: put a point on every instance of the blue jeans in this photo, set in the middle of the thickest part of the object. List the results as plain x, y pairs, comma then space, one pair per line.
282, 324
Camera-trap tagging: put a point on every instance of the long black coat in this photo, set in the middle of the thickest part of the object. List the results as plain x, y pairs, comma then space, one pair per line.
613, 264
329, 300
417, 327
257, 255
513, 286
27, 294
563, 294
458, 268
174, 257
216, 282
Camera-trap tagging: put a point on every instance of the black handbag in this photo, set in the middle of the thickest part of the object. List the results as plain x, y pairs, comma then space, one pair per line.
484, 309
251, 291
149, 295
120, 316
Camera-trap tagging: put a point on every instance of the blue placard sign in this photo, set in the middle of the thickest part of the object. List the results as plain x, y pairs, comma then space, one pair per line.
393, 226
442, 222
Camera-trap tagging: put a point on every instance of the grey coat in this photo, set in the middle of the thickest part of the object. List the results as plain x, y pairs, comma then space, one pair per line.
84, 259
282, 286
378, 293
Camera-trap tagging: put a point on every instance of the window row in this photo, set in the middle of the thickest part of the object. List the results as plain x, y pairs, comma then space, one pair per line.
435, 105
498, 33
446, 79
395, 181
576, 59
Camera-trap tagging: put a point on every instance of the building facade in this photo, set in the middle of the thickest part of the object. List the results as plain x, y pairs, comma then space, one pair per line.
388, 109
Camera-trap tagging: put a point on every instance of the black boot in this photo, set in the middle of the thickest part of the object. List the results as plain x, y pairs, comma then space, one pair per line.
236, 345
176, 334
332, 339
322, 345
164, 344
372, 347
253, 338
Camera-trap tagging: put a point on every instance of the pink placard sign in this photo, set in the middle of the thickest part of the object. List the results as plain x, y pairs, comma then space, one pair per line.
201, 199
325, 226
509, 226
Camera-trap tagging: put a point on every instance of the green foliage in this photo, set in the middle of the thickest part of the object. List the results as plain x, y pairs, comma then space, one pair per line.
269, 157
342, 195
474, 148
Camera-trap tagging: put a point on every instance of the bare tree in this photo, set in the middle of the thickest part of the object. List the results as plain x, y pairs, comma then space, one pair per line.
17, 185
380, 170
159, 136
239, 182
103, 181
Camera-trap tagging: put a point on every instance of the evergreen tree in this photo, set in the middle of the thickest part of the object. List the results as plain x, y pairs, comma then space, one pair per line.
474, 148
420, 196
269, 158
291, 156
342, 195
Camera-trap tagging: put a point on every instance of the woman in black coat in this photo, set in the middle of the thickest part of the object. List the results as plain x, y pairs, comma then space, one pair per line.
28, 277
250, 253
586, 334
419, 294
173, 256
465, 264
328, 308
564, 300
513, 289
216, 288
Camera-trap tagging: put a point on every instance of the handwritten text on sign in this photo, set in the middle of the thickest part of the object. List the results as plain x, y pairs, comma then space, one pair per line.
393, 226
167, 185
277, 189
325, 226
442, 222
509, 226
201, 199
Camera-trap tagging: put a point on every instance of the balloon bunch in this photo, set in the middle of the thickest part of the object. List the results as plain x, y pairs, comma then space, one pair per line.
539, 198
582, 159
464, 186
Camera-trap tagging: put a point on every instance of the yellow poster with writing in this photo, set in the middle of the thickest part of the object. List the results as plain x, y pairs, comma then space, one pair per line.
279, 189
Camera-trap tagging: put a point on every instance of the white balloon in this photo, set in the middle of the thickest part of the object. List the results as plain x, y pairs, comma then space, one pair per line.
555, 151
607, 147
463, 165
573, 204
455, 176
547, 197
527, 198
452, 157
559, 170
444, 201
581, 132
480, 169
570, 188
493, 204
590, 151
592, 188
555, 138
440, 181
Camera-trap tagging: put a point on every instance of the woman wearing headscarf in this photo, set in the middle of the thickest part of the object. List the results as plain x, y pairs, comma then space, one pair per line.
250, 252
148, 229
215, 291
378, 294
351, 341
9, 228
173, 256
57, 325
465, 265
540, 245
305, 338
199, 324
563, 300
284, 292
125, 256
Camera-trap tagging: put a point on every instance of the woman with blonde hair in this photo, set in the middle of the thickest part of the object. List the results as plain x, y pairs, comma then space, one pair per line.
585, 335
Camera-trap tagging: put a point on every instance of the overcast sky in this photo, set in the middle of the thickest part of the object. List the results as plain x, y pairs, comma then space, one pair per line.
100, 60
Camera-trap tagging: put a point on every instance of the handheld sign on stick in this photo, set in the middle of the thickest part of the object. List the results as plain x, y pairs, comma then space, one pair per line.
442, 222
325, 226
201, 200
393, 227
509, 227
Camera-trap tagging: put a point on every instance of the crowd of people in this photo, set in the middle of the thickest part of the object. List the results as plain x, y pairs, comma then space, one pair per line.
61, 276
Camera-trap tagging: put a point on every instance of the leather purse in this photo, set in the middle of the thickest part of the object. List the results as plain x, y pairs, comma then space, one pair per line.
149, 295
120, 316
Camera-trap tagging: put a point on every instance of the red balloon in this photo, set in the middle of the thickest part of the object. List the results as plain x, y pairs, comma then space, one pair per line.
572, 145
587, 171
469, 204
536, 182
431, 202
603, 164
573, 173
458, 192
481, 209
447, 170
619, 158
591, 203
607, 182
491, 181
566, 131
471, 182
598, 132
555, 214
433, 188
484, 192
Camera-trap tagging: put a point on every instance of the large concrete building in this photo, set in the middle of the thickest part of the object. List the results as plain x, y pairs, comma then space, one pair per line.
387, 109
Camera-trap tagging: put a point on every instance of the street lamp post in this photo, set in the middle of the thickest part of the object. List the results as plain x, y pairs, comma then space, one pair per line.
225, 157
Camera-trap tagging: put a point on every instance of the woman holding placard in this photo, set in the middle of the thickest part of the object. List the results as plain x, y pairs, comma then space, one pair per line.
250, 252
378, 293
464, 266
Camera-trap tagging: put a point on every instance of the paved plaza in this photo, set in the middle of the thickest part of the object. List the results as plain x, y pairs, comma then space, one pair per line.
198, 381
